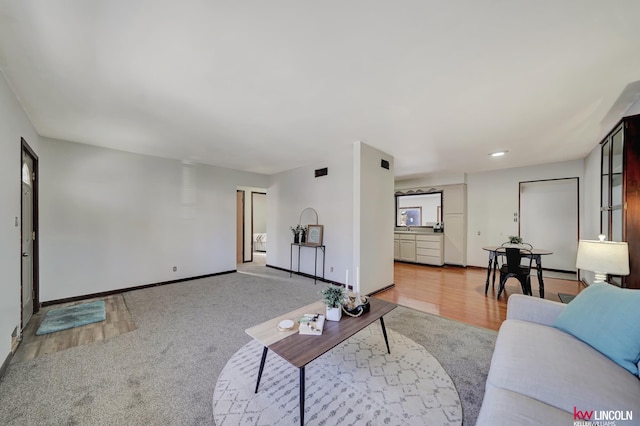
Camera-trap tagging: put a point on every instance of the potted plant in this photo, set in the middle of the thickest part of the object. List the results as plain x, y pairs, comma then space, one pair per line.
514, 239
296, 230
333, 297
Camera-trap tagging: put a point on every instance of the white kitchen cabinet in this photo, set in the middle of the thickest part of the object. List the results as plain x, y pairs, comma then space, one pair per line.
455, 231
454, 199
408, 247
396, 246
417, 247
429, 249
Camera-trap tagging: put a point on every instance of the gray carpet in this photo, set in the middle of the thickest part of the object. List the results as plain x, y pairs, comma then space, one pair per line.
165, 371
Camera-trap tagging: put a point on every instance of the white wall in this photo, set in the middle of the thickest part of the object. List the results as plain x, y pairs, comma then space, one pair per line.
374, 213
331, 196
492, 200
634, 109
14, 124
111, 219
356, 206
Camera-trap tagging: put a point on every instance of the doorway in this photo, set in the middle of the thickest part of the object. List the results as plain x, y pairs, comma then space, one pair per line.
29, 287
549, 219
239, 226
259, 227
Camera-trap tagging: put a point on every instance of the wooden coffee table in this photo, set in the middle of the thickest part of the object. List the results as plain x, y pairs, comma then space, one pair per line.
299, 349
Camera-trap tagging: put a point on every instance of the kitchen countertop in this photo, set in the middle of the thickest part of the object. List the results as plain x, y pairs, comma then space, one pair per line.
418, 232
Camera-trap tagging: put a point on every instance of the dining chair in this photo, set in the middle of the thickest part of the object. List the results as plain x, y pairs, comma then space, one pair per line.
514, 267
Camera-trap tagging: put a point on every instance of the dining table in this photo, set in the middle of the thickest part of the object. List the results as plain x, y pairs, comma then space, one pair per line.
496, 251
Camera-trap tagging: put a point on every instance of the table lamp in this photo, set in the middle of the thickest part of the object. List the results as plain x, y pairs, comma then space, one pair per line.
603, 257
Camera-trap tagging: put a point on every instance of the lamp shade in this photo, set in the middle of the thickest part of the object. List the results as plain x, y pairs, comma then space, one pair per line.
607, 257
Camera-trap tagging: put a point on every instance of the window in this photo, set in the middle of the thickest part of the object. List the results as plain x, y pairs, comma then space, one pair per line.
26, 174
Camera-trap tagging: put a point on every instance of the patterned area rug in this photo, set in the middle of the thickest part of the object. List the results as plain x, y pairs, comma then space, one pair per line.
72, 316
355, 383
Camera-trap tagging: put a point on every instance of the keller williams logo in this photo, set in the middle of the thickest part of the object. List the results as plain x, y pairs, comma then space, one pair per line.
598, 417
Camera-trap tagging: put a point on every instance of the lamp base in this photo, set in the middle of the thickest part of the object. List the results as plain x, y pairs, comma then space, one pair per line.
600, 277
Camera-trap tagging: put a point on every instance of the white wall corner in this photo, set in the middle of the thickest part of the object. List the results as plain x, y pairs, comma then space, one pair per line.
373, 217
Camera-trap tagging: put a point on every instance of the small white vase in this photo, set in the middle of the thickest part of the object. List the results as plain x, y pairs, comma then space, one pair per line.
334, 314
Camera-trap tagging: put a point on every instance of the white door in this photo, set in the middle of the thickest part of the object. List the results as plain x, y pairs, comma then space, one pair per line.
549, 220
27, 237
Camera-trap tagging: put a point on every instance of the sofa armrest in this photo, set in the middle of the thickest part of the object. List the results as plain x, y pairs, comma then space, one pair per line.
533, 309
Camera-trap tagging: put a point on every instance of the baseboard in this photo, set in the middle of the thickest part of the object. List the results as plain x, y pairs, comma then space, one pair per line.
5, 365
392, 285
324, 280
328, 281
277, 267
476, 267
122, 290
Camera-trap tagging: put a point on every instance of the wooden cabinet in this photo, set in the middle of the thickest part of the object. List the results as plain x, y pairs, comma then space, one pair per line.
620, 199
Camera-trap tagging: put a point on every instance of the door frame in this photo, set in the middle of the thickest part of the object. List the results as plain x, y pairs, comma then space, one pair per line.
240, 225
575, 179
253, 197
36, 242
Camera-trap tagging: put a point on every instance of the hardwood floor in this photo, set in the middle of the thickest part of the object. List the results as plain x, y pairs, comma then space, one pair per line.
458, 293
118, 321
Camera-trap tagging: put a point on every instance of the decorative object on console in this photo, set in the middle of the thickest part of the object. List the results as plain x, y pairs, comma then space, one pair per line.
355, 308
356, 305
286, 325
298, 233
314, 235
312, 324
333, 297
603, 257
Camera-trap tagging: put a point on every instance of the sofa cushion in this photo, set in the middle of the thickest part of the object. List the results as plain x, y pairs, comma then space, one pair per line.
557, 369
608, 318
506, 408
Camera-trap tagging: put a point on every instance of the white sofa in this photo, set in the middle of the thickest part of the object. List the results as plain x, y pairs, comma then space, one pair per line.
540, 375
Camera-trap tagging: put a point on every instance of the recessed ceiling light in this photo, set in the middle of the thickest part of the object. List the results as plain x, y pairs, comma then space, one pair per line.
498, 153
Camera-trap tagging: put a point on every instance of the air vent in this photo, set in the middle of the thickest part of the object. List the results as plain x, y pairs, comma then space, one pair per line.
322, 172
384, 164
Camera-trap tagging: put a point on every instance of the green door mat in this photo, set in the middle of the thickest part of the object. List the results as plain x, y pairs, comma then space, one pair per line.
72, 316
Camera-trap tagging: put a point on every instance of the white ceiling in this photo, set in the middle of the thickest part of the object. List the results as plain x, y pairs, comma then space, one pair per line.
266, 86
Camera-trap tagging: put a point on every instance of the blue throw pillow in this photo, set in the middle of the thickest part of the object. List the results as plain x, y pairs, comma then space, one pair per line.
607, 318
